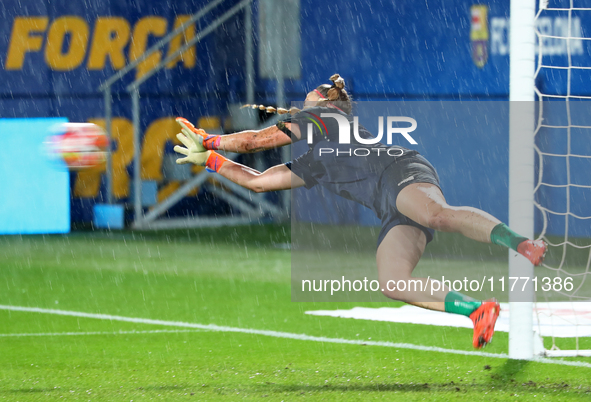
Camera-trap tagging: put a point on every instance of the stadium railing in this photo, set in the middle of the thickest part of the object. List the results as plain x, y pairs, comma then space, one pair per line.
251, 206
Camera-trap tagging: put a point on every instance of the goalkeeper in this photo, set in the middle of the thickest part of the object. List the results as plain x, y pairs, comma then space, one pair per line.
402, 188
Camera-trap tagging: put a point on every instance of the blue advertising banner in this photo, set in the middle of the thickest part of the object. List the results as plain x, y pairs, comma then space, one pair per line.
54, 55
35, 196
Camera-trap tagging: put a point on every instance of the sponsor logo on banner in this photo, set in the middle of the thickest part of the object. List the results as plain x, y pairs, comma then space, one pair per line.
479, 34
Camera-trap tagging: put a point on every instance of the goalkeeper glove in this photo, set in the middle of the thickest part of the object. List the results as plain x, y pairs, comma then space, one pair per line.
196, 153
211, 142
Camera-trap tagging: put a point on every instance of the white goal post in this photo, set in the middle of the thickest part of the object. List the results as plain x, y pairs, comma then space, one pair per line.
521, 170
549, 128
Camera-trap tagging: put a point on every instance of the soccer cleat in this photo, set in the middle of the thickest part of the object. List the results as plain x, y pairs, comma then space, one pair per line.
533, 250
484, 319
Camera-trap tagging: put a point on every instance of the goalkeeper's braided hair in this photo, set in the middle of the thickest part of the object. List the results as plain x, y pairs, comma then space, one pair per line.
334, 95
271, 109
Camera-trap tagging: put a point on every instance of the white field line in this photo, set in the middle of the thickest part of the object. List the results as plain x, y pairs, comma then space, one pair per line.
154, 331
286, 335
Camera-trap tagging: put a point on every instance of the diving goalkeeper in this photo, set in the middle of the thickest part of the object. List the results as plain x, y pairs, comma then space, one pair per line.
402, 189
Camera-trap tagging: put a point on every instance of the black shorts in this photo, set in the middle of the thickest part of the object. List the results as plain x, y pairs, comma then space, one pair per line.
405, 171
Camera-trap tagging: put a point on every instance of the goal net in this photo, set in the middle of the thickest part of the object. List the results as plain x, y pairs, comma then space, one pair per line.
562, 186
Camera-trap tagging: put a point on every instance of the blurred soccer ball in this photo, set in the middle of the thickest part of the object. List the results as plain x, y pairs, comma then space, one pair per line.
79, 145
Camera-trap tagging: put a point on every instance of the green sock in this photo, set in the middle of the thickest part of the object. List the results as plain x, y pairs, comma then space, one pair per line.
458, 303
502, 235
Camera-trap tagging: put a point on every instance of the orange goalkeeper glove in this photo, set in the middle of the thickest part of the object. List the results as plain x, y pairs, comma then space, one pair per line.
211, 142
196, 153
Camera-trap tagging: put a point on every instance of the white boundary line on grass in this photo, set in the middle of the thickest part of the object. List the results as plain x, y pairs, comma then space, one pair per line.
154, 331
286, 335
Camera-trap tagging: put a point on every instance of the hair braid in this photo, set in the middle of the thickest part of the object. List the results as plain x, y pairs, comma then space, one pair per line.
334, 94
271, 109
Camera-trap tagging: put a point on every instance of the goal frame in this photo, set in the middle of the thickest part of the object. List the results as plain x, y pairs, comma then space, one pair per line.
521, 170
524, 343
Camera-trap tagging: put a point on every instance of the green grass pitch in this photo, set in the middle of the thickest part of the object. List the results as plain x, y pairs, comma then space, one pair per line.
237, 278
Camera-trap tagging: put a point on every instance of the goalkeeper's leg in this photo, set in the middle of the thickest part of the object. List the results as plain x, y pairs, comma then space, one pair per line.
397, 256
425, 204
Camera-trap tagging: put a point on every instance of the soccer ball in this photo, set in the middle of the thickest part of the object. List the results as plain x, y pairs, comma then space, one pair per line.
79, 145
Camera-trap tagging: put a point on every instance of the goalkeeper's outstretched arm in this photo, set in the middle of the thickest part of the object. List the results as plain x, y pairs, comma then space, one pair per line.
278, 177
249, 141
